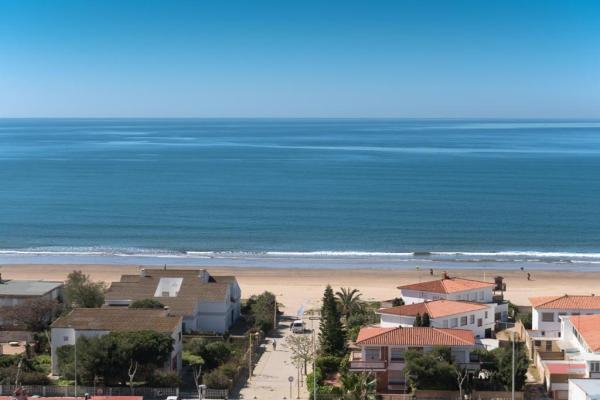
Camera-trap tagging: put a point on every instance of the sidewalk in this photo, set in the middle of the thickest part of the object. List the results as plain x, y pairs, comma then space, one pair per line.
270, 378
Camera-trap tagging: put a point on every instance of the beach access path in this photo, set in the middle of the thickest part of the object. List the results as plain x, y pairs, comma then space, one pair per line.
270, 380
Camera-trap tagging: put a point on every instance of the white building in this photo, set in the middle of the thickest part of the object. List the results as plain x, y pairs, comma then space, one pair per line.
581, 341
382, 351
92, 322
584, 389
207, 303
14, 293
457, 289
547, 311
476, 317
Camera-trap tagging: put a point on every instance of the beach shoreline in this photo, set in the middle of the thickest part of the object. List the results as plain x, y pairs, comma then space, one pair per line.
297, 287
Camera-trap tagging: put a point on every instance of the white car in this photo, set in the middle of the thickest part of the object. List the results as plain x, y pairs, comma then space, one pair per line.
297, 326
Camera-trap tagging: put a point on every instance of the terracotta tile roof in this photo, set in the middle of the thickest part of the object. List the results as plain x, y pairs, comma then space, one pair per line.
435, 308
566, 301
565, 368
193, 290
119, 319
448, 285
588, 327
422, 336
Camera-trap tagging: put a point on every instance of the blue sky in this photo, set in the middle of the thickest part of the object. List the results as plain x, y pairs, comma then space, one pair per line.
300, 58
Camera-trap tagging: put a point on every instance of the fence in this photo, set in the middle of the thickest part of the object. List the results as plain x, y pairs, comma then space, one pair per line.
146, 392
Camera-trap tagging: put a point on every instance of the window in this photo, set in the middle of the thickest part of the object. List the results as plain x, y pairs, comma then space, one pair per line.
548, 346
473, 357
486, 315
595, 366
471, 319
538, 343
397, 354
453, 323
395, 377
548, 317
575, 313
66, 338
463, 320
479, 322
372, 353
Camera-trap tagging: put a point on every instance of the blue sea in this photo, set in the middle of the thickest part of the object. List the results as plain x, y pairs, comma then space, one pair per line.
301, 192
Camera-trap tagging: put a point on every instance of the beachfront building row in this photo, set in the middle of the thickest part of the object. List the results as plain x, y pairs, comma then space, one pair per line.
206, 302
94, 322
381, 350
476, 317
460, 289
547, 311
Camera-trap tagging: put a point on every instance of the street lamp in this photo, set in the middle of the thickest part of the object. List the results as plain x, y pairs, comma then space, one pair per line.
312, 328
75, 356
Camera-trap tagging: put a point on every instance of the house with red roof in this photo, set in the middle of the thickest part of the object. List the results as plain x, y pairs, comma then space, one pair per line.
581, 340
459, 289
476, 317
547, 311
382, 350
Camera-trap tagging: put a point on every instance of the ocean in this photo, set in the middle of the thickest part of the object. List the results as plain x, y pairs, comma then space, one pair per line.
301, 192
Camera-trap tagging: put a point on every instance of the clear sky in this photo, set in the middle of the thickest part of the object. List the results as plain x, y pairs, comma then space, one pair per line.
300, 58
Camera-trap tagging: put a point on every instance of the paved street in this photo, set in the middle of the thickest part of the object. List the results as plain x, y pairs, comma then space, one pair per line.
270, 380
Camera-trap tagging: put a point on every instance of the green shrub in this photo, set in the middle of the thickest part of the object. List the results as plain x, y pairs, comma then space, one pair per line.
217, 379
164, 379
328, 364
230, 369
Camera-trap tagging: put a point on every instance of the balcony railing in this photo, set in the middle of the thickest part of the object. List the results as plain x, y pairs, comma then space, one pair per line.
368, 365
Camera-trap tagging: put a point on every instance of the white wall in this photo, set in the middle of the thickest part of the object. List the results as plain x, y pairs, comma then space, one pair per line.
552, 329
484, 295
392, 320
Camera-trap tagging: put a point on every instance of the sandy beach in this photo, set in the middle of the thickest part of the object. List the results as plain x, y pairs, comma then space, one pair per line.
297, 287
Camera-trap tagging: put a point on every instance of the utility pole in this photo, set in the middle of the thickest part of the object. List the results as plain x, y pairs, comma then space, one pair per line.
312, 328
275, 314
513, 366
75, 350
298, 379
249, 356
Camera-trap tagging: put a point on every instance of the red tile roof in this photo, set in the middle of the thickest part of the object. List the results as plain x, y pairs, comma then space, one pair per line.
448, 285
588, 327
435, 308
566, 301
421, 336
565, 368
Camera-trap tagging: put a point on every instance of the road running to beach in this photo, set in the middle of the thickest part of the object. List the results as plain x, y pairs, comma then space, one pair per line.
272, 373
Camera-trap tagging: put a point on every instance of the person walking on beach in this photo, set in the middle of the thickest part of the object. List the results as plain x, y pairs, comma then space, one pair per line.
528, 276
431, 271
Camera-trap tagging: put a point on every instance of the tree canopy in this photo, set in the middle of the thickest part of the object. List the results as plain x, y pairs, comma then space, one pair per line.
109, 357
81, 291
332, 336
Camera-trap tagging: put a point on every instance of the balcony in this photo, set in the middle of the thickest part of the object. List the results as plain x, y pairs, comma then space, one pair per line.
358, 364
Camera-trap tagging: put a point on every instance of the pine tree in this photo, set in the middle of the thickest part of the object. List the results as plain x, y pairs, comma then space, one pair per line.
425, 321
332, 336
418, 321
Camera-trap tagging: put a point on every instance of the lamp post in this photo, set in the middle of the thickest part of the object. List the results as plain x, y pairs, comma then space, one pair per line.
312, 328
513, 366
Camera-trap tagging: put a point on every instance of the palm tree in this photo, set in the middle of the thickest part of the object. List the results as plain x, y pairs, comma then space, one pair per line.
359, 386
349, 301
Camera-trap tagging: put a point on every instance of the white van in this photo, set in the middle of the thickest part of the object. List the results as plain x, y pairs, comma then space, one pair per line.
297, 326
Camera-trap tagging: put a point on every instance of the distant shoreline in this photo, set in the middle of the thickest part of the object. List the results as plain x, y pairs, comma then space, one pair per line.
504, 260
